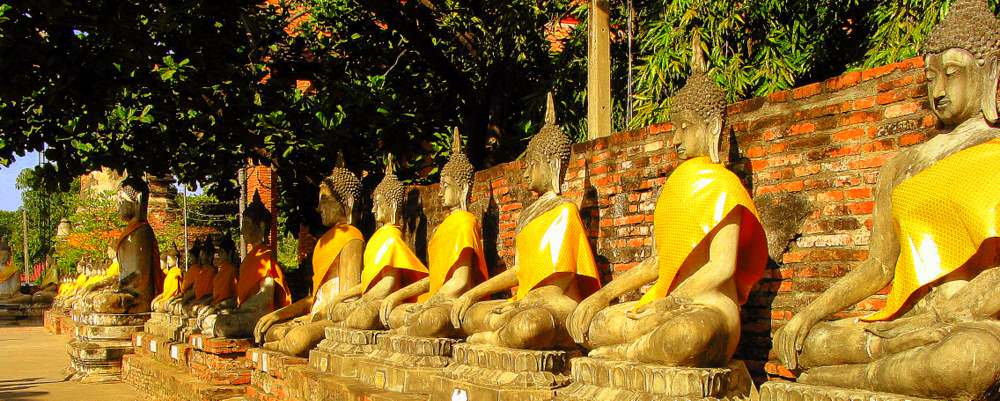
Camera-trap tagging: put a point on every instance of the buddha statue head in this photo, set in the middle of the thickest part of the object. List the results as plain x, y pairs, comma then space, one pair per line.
193, 252
4, 252
389, 195
548, 154
111, 253
256, 221
133, 198
456, 177
225, 251
698, 110
337, 194
207, 252
169, 257
960, 57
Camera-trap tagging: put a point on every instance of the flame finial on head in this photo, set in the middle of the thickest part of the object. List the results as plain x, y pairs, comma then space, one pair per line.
969, 25
390, 189
700, 94
550, 142
458, 166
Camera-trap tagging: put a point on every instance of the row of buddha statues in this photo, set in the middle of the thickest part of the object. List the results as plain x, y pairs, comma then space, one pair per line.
934, 239
11, 292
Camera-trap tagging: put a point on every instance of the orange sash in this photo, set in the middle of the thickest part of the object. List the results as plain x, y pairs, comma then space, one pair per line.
387, 250
328, 249
555, 242
158, 276
697, 196
190, 277
203, 283
224, 283
457, 233
259, 264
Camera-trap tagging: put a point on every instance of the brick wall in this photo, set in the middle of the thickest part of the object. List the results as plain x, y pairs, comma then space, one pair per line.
260, 180
810, 155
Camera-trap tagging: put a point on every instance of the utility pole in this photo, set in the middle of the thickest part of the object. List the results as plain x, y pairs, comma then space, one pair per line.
185, 206
242, 178
24, 240
598, 70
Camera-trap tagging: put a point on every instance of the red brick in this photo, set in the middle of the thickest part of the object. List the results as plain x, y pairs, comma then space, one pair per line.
830, 196
756, 151
912, 139
778, 97
877, 72
807, 91
896, 83
902, 109
849, 134
875, 161
844, 151
861, 207
864, 103
844, 81
801, 128
858, 117
859, 193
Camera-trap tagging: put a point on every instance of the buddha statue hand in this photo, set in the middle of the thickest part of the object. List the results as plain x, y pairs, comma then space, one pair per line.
264, 324
460, 308
388, 304
789, 339
578, 322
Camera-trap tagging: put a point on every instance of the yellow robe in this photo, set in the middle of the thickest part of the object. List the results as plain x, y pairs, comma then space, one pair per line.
697, 196
458, 233
256, 266
111, 271
387, 250
555, 243
943, 216
224, 283
78, 284
171, 283
328, 249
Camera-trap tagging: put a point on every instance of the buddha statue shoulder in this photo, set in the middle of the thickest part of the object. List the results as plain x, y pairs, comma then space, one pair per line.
934, 238
136, 253
710, 249
388, 263
336, 264
456, 260
260, 286
554, 266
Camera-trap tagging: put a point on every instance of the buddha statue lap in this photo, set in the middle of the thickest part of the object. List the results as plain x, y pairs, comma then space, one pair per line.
934, 238
260, 287
388, 262
455, 258
553, 268
336, 262
707, 258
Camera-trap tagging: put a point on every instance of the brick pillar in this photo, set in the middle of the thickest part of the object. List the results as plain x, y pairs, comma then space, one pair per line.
306, 242
260, 180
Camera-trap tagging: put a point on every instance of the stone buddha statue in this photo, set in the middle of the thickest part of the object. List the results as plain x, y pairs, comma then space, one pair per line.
260, 287
455, 259
105, 281
137, 255
224, 280
336, 263
172, 279
69, 293
388, 262
553, 268
174, 304
203, 284
934, 238
49, 287
710, 249
10, 278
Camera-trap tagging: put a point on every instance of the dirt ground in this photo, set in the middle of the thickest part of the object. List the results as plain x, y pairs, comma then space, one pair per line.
33, 367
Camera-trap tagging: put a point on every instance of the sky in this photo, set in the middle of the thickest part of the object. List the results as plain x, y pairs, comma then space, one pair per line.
10, 196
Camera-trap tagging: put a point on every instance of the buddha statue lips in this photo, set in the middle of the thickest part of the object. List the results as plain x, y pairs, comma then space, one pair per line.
934, 238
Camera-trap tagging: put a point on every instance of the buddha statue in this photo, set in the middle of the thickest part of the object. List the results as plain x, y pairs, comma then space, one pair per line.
224, 281
203, 284
105, 281
137, 255
67, 297
553, 268
174, 305
710, 249
336, 263
172, 279
934, 238
388, 262
456, 261
260, 287
10, 278
49, 287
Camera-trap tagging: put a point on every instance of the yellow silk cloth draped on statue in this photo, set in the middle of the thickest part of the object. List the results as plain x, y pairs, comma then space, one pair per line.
190, 277
171, 283
8, 271
943, 216
386, 249
78, 284
328, 249
697, 196
458, 232
555, 242
203, 283
111, 271
260, 263
224, 282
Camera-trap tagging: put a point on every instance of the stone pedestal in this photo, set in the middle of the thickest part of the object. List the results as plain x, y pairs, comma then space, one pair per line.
340, 350
405, 364
157, 324
219, 361
51, 320
479, 372
21, 315
269, 378
599, 379
100, 341
781, 391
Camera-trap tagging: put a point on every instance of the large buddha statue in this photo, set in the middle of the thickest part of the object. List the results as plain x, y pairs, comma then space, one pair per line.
455, 259
710, 249
137, 255
260, 287
553, 268
934, 238
388, 262
172, 279
336, 263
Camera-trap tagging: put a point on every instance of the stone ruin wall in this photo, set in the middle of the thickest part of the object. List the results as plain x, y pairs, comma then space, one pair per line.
811, 156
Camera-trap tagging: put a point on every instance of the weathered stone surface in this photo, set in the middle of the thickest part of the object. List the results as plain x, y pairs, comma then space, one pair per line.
339, 352
88, 332
491, 373
158, 381
782, 391
51, 318
405, 364
107, 319
597, 379
272, 362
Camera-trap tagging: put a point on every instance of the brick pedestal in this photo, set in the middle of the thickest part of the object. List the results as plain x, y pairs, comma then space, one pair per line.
199, 369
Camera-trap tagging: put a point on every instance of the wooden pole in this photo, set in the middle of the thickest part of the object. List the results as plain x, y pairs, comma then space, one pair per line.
598, 70
24, 240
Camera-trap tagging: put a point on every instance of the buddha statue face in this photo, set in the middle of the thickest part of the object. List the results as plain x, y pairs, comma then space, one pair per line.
388, 196
332, 210
385, 210
253, 231
541, 174
694, 136
127, 206
206, 255
958, 83
222, 254
453, 194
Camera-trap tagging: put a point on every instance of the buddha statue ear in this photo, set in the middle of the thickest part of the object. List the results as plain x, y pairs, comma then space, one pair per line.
714, 127
555, 167
349, 210
991, 73
463, 199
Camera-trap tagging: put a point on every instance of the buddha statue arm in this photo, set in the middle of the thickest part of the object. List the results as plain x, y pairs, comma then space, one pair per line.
350, 263
296, 309
262, 301
396, 298
867, 279
460, 280
387, 284
500, 282
579, 320
721, 266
